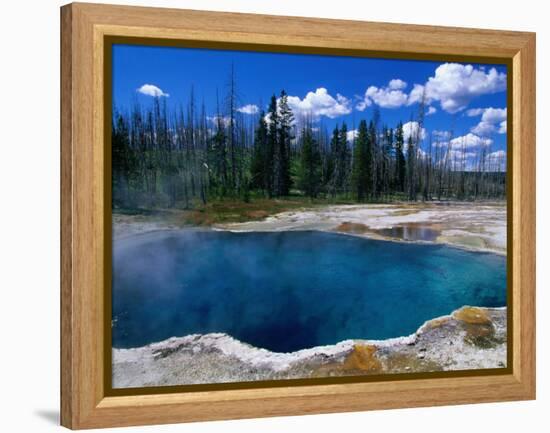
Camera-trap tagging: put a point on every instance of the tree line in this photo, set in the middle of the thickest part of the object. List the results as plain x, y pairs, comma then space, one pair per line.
183, 158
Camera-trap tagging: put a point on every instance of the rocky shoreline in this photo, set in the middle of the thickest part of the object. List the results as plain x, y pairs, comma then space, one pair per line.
469, 338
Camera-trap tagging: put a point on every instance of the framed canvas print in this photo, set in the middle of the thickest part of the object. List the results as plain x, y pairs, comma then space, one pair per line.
267, 215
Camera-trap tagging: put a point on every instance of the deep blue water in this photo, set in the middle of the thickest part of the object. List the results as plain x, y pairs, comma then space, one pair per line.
291, 290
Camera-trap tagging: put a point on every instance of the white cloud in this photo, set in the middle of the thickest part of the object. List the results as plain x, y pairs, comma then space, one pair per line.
472, 112
386, 97
411, 129
319, 103
362, 105
494, 114
431, 110
483, 128
420, 153
468, 160
490, 117
418, 93
464, 160
441, 135
225, 120
469, 141
496, 160
152, 90
397, 84
351, 135
459, 154
248, 109
497, 154
455, 85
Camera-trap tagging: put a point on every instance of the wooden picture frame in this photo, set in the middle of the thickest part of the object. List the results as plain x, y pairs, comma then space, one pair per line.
85, 28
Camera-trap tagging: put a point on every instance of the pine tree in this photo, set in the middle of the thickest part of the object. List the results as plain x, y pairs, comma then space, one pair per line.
400, 163
231, 101
310, 164
386, 158
272, 146
218, 157
123, 161
361, 172
344, 161
411, 167
373, 156
259, 169
332, 161
286, 118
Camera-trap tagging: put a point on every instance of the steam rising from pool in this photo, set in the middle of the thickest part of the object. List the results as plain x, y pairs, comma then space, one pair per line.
287, 291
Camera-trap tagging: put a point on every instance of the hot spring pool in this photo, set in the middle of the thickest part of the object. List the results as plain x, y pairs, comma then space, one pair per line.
287, 291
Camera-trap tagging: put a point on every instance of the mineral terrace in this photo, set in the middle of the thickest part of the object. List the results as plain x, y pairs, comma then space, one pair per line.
477, 227
469, 338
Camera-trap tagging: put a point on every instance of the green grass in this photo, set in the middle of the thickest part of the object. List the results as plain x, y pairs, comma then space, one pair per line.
231, 210
256, 207
235, 210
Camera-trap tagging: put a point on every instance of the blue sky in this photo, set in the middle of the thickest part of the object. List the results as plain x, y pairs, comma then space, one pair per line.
468, 98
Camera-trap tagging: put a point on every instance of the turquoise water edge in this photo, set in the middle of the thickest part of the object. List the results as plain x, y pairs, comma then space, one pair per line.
286, 291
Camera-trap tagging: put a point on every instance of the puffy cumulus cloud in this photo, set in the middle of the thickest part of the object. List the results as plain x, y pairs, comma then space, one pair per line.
494, 115
319, 103
363, 104
390, 96
412, 130
431, 110
152, 90
459, 154
421, 154
397, 84
394, 96
352, 135
496, 160
418, 94
492, 120
499, 154
464, 159
248, 109
454, 85
441, 135
483, 128
472, 112
224, 120
469, 141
